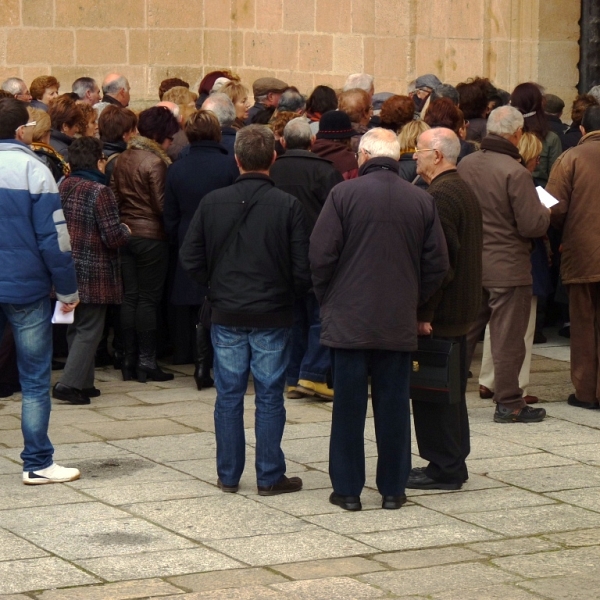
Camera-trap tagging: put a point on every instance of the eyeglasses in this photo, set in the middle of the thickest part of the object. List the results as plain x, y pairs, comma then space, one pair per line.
425, 150
30, 124
357, 154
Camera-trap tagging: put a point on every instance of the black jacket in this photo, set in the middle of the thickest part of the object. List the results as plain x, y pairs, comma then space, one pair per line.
111, 149
207, 167
308, 177
376, 252
266, 265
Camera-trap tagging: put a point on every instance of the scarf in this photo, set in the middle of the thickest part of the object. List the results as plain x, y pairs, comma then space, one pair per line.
495, 143
90, 175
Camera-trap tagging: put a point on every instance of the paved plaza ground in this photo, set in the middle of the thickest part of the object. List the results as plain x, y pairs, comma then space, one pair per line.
146, 519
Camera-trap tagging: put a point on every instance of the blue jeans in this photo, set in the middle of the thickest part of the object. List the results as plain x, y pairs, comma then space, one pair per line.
309, 360
265, 353
32, 331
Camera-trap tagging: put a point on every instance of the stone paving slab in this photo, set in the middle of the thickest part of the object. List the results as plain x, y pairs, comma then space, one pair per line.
77, 416
549, 479
247, 593
9, 467
588, 498
9, 422
439, 579
578, 587
126, 590
173, 447
495, 592
13, 547
156, 411
39, 574
316, 449
329, 588
314, 569
13, 494
123, 430
59, 434
158, 564
586, 453
576, 539
508, 463
416, 559
231, 578
515, 546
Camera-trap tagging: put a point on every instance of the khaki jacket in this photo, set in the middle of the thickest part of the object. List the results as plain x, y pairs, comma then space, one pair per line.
512, 214
575, 183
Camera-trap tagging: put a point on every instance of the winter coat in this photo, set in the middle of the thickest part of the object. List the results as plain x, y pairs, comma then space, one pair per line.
139, 185
342, 157
307, 177
112, 151
376, 252
207, 167
96, 232
511, 210
35, 249
61, 142
574, 182
551, 150
266, 265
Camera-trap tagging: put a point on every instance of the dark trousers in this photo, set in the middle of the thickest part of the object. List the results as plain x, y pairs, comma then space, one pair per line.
584, 301
442, 430
144, 265
390, 372
9, 373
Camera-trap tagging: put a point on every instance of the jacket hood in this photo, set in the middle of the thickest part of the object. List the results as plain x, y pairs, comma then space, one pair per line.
139, 142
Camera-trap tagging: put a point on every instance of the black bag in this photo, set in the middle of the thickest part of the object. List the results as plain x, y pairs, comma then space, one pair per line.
435, 375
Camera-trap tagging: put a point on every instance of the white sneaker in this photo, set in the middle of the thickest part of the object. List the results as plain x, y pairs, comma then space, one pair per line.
52, 474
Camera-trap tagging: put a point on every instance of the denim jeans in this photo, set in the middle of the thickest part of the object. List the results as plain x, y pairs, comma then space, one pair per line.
32, 331
309, 360
265, 353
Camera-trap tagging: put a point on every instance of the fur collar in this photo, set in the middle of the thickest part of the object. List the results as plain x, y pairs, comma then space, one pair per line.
139, 142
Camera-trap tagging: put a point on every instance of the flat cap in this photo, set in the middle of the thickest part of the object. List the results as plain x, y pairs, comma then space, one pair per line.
264, 85
554, 104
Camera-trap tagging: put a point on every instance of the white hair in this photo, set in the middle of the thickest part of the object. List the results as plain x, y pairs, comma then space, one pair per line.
115, 86
362, 81
14, 85
379, 142
446, 142
504, 121
222, 106
595, 91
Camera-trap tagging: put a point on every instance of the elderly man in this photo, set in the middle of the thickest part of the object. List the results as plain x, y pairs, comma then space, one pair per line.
512, 215
376, 252
310, 178
424, 86
574, 181
292, 101
223, 108
87, 90
249, 240
442, 430
267, 92
115, 90
356, 103
361, 81
18, 88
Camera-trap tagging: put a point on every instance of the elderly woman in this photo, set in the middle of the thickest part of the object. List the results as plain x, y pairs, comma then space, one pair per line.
66, 117
43, 90
96, 233
139, 182
205, 168
396, 112
41, 144
89, 125
408, 144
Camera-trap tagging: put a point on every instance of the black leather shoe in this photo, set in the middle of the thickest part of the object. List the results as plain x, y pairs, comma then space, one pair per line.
92, 392
392, 502
345, 502
421, 481
69, 394
284, 486
229, 489
572, 401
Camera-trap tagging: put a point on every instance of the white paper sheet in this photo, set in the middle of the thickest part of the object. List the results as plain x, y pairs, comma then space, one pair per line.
60, 317
548, 200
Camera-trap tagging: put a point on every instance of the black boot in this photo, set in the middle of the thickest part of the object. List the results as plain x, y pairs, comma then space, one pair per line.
146, 366
204, 354
129, 360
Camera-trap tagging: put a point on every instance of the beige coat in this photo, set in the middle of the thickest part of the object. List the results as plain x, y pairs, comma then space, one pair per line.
575, 182
512, 214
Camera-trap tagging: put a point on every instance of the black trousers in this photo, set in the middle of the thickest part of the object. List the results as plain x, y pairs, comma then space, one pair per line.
442, 430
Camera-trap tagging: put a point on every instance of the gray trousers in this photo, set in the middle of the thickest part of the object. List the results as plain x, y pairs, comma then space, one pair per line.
83, 337
507, 311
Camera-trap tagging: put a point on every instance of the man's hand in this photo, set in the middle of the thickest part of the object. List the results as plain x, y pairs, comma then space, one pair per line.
67, 308
424, 328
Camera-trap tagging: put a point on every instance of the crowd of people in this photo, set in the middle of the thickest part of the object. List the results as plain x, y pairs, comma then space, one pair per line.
308, 241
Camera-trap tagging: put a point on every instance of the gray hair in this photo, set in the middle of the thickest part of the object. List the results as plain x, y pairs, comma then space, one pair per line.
379, 142
291, 101
362, 81
14, 85
504, 121
82, 85
120, 83
222, 106
254, 147
446, 142
445, 91
297, 134
595, 91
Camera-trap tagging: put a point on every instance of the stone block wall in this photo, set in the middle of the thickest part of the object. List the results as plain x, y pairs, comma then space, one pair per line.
304, 42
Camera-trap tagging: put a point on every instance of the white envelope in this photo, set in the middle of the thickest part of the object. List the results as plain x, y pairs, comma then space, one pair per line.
60, 317
546, 199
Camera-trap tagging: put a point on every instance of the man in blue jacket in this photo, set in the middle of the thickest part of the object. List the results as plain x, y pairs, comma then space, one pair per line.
35, 254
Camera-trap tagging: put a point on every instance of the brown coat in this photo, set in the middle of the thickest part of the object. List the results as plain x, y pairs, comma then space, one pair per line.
512, 214
139, 184
574, 182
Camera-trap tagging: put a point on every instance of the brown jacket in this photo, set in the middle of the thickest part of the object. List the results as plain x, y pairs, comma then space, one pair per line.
511, 210
139, 185
574, 182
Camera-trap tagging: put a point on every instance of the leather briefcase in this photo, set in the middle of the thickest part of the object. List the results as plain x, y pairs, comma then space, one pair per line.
435, 374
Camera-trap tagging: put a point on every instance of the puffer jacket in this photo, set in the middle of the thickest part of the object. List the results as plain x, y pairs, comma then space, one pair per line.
139, 184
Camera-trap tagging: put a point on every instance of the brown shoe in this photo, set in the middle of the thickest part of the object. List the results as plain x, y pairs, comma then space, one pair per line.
229, 489
283, 486
293, 393
531, 399
485, 393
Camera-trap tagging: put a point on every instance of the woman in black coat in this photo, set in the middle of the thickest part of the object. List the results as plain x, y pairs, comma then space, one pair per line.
207, 167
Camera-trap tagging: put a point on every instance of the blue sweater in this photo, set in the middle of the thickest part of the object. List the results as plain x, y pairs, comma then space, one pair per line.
35, 248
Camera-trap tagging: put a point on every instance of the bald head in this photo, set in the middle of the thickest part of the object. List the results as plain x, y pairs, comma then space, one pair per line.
116, 86
437, 152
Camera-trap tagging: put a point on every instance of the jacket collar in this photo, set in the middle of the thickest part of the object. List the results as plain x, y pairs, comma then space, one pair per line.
443, 174
90, 175
496, 143
110, 100
55, 134
114, 147
379, 163
139, 142
302, 154
203, 145
256, 176
591, 136
228, 131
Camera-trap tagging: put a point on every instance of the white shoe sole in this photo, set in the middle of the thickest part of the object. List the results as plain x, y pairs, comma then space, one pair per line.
43, 481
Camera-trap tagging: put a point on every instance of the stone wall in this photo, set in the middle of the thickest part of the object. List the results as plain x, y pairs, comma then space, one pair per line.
304, 42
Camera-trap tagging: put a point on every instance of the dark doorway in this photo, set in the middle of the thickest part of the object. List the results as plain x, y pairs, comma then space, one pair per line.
589, 45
